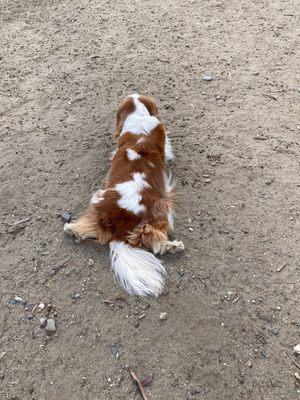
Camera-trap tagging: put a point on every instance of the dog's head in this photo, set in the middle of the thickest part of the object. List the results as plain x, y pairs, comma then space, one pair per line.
134, 103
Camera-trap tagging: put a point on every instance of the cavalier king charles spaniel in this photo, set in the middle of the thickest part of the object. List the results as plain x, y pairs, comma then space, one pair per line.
134, 210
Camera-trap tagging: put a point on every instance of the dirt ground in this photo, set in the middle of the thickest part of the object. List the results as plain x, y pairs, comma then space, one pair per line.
232, 297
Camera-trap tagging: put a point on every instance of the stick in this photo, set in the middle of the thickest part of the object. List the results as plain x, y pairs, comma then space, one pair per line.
294, 362
281, 267
136, 379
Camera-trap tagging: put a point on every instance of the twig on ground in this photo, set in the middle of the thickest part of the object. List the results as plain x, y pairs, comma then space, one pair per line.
281, 267
164, 61
60, 266
139, 383
294, 362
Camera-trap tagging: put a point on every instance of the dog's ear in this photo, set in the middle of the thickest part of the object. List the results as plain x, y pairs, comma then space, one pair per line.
149, 103
125, 108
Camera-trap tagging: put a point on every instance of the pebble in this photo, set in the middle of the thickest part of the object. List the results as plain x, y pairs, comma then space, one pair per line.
296, 323
76, 296
43, 322
18, 300
29, 316
41, 306
249, 364
275, 332
207, 78
50, 326
207, 180
163, 316
297, 349
2, 355
263, 354
90, 262
191, 229
65, 216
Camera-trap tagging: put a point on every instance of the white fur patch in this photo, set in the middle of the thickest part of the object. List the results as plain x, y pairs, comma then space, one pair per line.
169, 182
140, 108
140, 121
97, 196
138, 124
132, 155
113, 153
130, 193
171, 220
169, 155
138, 271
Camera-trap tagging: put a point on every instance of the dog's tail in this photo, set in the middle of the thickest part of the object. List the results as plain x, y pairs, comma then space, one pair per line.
138, 271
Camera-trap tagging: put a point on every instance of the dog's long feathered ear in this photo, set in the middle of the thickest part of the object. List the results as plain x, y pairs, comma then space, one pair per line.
125, 108
149, 103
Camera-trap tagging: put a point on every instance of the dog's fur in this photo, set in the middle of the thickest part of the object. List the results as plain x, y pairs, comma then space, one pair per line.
135, 209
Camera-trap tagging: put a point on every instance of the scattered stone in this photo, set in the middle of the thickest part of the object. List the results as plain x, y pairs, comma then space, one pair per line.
297, 376
207, 180
19, 300
296, 323
90, 262
297, 349
141, 316
278, 308
249, 364
115, 351
207, 78
43, 322
76, 296
191, 229
2, 355
65, 216
163, 316
263, 354
50, 326
275, 332
41, 306
30, 317
2, 376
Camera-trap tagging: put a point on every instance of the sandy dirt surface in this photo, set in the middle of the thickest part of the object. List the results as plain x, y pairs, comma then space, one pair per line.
232, 298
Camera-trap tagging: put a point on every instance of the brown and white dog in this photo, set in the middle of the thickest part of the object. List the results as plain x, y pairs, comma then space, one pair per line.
135, 209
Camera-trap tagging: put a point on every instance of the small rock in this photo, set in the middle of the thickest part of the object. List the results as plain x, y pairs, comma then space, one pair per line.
249, 364
19, 300
65, 216
297, 349
207, 180
2, 376
141, 316
43, 322
50, 326
296, 323
207, 78
2, 355
163, 316
30, 317
41, 306
115, 351
90, 262
76, 296
191, 229
275, 332
263, 354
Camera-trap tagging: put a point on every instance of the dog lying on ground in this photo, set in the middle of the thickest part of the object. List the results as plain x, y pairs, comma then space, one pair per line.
135, 209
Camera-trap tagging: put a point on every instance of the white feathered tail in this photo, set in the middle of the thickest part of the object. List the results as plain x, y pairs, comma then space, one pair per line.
138, 271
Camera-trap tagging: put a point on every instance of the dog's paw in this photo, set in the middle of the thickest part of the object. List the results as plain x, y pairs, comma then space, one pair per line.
177, 246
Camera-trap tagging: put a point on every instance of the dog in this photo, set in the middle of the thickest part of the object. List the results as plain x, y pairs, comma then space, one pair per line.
135, 210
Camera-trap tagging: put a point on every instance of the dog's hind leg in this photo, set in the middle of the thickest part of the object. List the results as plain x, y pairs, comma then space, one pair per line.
88, 227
